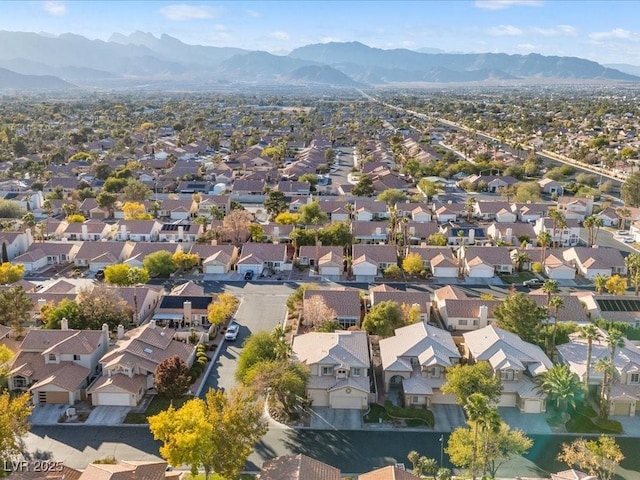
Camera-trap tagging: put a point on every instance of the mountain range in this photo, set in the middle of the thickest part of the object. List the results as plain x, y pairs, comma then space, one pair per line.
40, 61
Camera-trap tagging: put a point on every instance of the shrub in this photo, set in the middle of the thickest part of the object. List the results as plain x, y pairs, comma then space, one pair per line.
537, 267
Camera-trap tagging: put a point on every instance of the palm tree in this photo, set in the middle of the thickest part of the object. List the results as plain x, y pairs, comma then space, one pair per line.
633, 267
590, 333
615, 340
550, 287
558, 220
600, 282
589, 223
597, 223
490, 423
520, 259
561, 385
556, 303
623, 213
476, 407
544, 240
605, 366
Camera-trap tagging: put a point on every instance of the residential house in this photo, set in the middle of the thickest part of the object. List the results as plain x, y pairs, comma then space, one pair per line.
138, 230
297, 467
345, 303
99, 255
625, 391
530, 212
590, 262
339, 368
575, 208
609, 217
417, 233
566, 236
330, 260
415, 360
494, 183
463, 234
42, 255
337, 210
404, 299
294, 188
485, 262
139, 250
390, 472
495, 211
16, 242
370, 261
143, 299
512, 233
89, 230
185, 307
128, 369
180, 232
122, 470
366, 210
516, 362
448, 212
215, 259
551, 187
261, 257
370, 232
572, 309
177, 209
56, 366
276, 233
439, 261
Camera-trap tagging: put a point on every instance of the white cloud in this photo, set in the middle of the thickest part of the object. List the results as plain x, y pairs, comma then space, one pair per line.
616, 33
57, 9
180, 12
253, 13
220, 28
280, 36
502, 4
557, 31
527, 47
505, 31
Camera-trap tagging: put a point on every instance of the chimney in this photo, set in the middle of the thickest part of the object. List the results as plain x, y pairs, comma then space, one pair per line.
120, 333
472, 236
85, 232
180, 232
105, 332
509, 235
64, 324
123, 232
41, 303
152, 324
187, 312
483, 313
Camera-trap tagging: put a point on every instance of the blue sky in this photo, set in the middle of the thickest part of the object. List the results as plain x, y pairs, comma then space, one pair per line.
604, 31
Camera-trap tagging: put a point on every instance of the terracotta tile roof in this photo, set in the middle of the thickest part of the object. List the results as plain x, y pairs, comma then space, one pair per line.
297, 467
390, 472
346, 303
120, 381
68, 376
337, 348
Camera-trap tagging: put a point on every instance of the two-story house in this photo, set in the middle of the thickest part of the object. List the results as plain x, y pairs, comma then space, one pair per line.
339, 368
590, 262
516, 362
56, 366
575, 208
138, 230
415, 360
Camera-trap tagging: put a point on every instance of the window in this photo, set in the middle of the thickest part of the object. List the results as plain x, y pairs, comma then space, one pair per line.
19, 382
462, 322
635, 378
356, 372
414, 360
76, 357
435, 372
327, 370
52, 357
415, 399
506, 374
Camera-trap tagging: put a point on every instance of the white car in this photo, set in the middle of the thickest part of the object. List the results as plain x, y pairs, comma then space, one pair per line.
232, 332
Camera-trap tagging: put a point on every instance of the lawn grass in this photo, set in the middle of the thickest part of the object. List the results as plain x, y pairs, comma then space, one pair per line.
584, 419
410, 413
376, 412
517, 277
157, 405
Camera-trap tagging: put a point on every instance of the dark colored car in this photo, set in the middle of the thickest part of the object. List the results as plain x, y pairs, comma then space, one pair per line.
248, 275
533, 283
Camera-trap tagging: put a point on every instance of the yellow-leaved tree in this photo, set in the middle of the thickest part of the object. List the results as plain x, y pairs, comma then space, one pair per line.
222, 309
10, 273
216, 434
14, 414
135, 211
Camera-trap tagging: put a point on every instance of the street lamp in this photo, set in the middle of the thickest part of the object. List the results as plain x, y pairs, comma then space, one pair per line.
441, 448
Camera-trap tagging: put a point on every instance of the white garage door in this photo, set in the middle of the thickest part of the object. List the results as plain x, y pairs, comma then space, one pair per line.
347, 401
531, 406
214, 269
507, 400
441, 398
622, 408
120, 399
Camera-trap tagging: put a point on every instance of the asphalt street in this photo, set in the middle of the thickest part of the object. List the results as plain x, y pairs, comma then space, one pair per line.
350, 451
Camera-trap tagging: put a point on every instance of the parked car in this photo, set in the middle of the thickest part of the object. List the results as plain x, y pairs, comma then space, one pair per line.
532, 283
248, 275
100, 275
622, 233
232, 332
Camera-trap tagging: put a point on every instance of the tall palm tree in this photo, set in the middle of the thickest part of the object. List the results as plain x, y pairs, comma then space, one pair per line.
476, 407
520, 259
557, 217
589, 223
615, 340
597, 223
590, 333
544, 240
605, 366
633, 267
490, 423
623, 213
556, 303
561, 385
550, 287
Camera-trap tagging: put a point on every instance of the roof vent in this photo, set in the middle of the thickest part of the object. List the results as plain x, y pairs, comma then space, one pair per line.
148, 351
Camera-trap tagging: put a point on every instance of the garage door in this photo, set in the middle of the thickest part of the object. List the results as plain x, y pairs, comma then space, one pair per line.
53, 397
121, 399
622, 408
441, 398
214, 269
507, 400
347, 401
531, 406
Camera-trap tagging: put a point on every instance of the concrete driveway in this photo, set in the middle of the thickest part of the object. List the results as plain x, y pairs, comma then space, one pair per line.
325, 418
107, 415
529, 423
47, 413
448, 417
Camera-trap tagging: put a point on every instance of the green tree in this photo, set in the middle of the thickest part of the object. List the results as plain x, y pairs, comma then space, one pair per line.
437, 239
102, 304
159, 264
477, 406
630, 191
312, 214
257, 348
561, 385
544, 240
216, 434
364, 187
413, 264
275, 203
107, 200
632, 261
393, 271
383, 318
135, 191
123, 275
599, 458
15, 308
171, 377
521, 315
14, 424
464, 380
600, 282
257, 232
590, 333
392, 196
67, 308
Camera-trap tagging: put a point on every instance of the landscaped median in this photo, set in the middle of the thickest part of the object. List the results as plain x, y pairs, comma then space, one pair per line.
399, 416
583, 419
